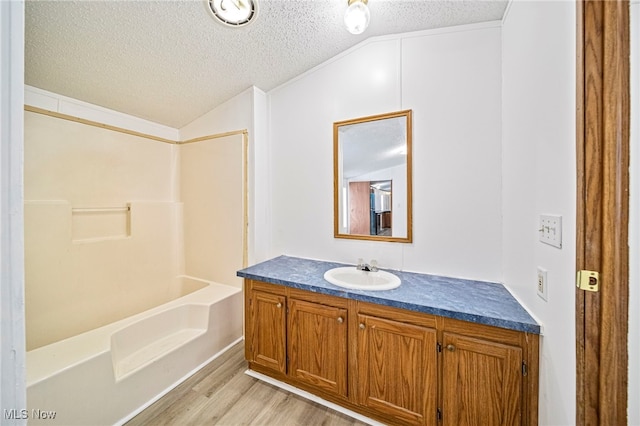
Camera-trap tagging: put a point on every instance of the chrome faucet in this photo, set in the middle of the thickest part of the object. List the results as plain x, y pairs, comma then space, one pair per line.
361, 266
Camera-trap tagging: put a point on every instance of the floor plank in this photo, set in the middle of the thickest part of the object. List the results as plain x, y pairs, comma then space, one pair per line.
221, 394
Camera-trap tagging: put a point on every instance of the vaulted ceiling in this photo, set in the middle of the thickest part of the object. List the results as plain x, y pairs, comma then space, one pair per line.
170, 62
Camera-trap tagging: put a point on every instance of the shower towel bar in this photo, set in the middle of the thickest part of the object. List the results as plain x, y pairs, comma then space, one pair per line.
100, 209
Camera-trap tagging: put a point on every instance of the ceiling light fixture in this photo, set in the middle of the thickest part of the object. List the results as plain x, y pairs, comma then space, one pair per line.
234, 13
356, 18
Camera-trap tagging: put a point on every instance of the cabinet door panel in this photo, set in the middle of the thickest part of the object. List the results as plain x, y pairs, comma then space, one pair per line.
397, 369
318, 345
482, 382
268, 342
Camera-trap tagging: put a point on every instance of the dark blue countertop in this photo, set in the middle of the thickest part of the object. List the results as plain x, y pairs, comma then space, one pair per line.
475, 301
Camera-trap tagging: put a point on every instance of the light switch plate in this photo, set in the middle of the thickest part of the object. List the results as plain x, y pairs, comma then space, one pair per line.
550, 230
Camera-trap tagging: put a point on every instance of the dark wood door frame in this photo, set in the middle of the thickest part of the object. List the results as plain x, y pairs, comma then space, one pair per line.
602, 210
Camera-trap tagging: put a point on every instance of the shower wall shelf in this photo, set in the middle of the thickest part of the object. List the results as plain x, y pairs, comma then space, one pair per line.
92, 224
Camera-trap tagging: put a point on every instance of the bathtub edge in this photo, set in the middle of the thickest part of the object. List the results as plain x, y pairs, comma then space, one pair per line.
176, 383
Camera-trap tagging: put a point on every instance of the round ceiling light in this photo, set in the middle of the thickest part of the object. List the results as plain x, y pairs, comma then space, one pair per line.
234, 13
357, 16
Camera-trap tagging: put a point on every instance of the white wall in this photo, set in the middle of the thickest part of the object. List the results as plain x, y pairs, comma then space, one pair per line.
634, 226
452, 81
12, 341
539, 177
450, 78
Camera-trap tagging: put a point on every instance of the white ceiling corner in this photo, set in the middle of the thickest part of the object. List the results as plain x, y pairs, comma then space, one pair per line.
169, 62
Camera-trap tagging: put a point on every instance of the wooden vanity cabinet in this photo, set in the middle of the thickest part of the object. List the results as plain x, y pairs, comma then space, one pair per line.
397, 364
390, 364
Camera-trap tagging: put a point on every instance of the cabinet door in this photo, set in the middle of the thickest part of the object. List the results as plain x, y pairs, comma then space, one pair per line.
318, 345
268, 325
481, 382
397, 371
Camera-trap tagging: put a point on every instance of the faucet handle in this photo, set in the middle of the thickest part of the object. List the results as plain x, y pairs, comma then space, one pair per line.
360, 263
373, 265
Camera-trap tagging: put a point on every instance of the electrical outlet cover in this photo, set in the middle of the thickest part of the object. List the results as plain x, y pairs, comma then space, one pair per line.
542, 283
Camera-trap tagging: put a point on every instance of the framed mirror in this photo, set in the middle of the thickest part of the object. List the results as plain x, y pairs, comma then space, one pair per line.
372, 178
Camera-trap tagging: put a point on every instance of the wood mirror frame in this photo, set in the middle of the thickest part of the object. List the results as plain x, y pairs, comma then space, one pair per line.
392, 224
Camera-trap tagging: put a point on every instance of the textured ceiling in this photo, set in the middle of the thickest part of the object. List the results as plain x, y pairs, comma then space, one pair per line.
170, 62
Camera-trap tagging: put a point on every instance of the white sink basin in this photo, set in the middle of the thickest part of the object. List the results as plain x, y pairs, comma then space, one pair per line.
350, 277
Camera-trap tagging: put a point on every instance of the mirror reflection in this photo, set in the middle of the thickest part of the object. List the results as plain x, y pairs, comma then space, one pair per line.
372, 177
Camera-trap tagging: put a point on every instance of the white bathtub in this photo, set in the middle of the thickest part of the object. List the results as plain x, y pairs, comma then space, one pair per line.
108, 375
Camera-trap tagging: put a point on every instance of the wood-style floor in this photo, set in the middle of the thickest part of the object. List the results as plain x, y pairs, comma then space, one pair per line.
221, 394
